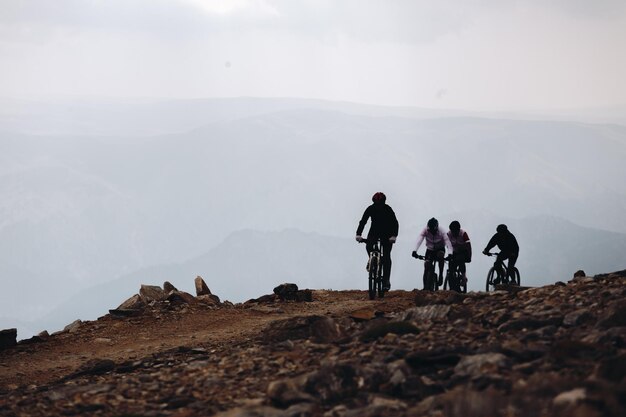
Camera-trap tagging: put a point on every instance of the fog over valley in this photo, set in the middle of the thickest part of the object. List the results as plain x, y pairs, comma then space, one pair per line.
272, 190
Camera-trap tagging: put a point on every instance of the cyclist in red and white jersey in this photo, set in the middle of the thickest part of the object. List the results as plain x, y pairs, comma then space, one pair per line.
436, 243
461, 247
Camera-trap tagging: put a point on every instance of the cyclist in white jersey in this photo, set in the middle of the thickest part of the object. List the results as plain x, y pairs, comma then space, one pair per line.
436, 243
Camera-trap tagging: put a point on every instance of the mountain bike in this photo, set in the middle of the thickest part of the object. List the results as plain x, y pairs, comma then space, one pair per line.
454, 277
499, 274
375, 270
430, 276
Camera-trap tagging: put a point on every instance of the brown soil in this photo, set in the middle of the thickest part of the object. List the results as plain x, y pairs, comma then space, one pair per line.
121, 339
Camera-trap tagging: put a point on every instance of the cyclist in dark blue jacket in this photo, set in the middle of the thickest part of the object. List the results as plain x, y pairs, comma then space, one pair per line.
384, 226
509, 249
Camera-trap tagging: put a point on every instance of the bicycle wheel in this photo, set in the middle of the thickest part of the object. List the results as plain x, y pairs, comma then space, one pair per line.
373, 277
491, 276
462, 283
516, 277
446, 281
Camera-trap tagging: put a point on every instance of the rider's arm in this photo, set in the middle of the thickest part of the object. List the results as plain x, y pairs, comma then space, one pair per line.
420, 239
366, 216
491, 244
394, 223
514, 244
468, 244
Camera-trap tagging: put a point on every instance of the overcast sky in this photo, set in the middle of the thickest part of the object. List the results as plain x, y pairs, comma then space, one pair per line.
469, 54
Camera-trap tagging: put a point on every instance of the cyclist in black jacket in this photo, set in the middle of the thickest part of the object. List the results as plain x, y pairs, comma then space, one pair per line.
509, 249
384, 226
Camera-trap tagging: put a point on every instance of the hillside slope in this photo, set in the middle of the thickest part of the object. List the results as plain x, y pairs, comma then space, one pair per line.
554, 350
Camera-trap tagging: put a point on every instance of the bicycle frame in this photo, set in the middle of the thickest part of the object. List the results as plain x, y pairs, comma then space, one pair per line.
429, 273
503, 273
375, 277
454, 273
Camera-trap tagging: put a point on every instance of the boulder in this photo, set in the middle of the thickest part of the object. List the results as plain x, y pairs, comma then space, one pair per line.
577, 317
180, 297
304, 296
151, 293
8, 338
378, 330
286, 291
168, 287
320, 329
133, 303
579, 273
210, 299
73, 326
201, 287
616, 317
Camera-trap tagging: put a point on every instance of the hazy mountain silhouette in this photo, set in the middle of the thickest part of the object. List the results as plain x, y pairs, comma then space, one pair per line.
249, 263
76, 211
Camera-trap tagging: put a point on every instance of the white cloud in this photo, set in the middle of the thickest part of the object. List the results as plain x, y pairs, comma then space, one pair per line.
229, 7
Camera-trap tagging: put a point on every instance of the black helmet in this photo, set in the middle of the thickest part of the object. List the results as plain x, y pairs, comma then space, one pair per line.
455, 226
433, 224
502, 228
379, 197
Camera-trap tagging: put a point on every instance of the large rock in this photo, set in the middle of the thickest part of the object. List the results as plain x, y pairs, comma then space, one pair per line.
73, 326
378, 330
201, 287
426, 313
290, 292
320, 329
477, 365
210, 299
181, 297
151, 293
168, 287
8, 338
133, 303
286, 291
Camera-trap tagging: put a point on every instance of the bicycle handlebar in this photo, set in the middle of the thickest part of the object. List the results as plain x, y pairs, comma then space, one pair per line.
492, 254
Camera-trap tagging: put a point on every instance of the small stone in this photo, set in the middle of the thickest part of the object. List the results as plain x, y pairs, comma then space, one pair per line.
102, 340
288, 391
568, 398
476, 365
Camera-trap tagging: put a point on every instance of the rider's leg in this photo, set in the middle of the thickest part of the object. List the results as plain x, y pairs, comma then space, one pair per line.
386, 246
500, 262
440, 256
369, 246
512, 261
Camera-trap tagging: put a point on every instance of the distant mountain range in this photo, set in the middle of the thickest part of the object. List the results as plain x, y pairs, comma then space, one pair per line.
250, 263
78, 211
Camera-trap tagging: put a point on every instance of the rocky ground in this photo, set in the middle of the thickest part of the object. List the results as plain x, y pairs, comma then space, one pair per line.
556, 350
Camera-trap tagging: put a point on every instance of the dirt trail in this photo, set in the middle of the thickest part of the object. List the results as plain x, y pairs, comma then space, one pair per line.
133, 338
